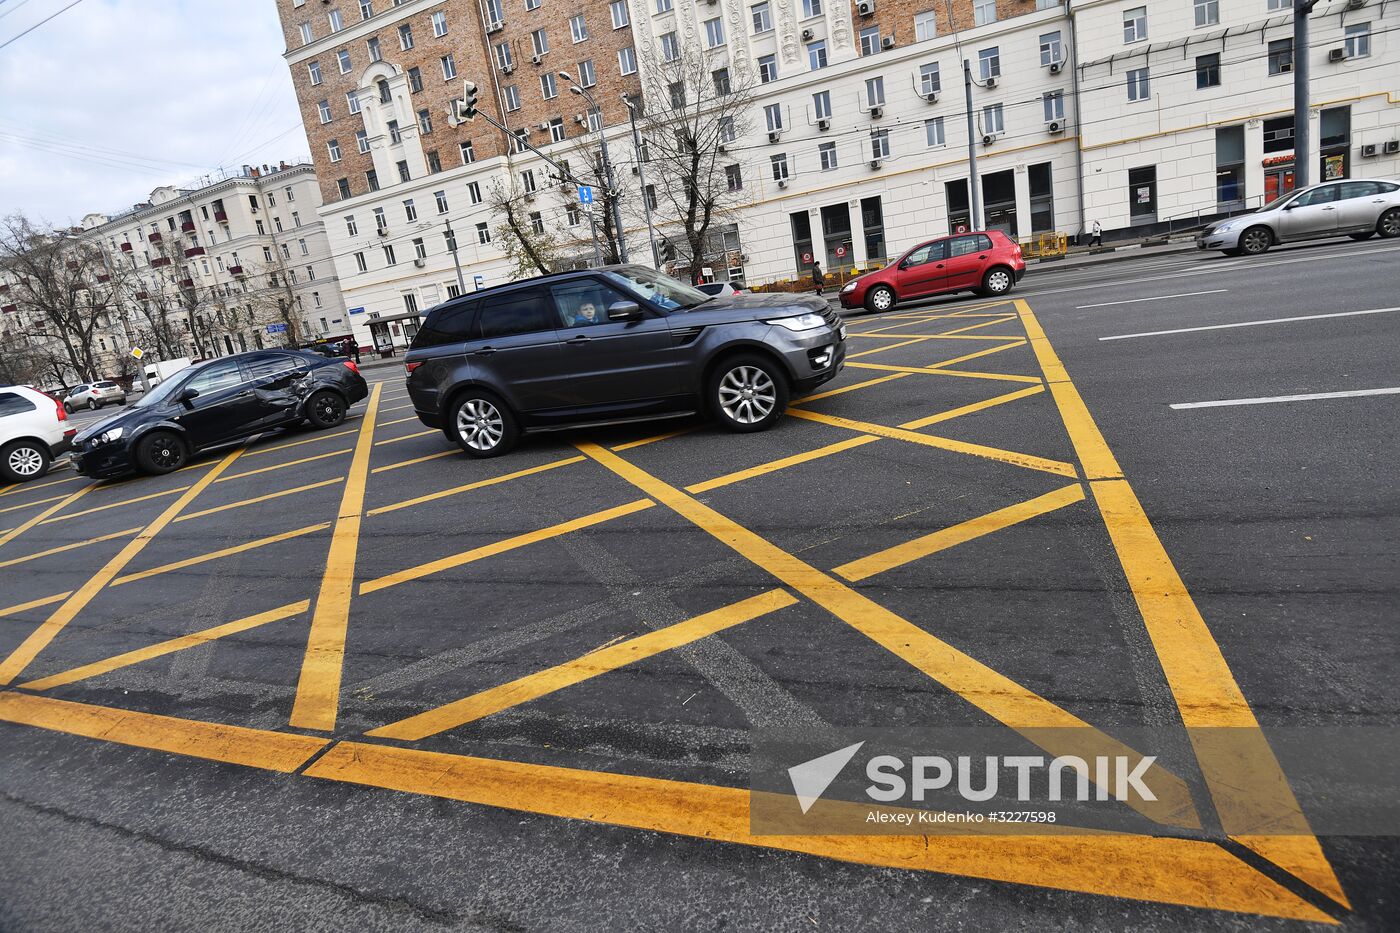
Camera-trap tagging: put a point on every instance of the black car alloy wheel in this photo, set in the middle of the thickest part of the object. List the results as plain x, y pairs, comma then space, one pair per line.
161, 452
325, 409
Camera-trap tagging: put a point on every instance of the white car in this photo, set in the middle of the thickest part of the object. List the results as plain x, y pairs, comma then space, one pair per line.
716, 289
33, 430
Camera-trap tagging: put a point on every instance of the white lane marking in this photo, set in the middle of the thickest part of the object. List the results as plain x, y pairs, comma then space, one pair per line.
1129, 301
1277, 320
1270, 399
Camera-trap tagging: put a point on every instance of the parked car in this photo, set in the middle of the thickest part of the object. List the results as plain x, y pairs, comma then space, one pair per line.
33, 431
620, 343
218, 402
715, 289
988, 263
95, 395
1359, 209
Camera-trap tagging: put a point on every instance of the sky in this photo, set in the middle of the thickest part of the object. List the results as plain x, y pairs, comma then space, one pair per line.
113, 98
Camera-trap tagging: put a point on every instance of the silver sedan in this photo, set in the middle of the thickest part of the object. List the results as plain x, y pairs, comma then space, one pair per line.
1359, 208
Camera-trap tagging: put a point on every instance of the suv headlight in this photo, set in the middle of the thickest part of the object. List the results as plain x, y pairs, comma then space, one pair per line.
809, 321
106, 437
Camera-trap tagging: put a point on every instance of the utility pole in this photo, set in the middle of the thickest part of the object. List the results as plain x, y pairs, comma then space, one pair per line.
1302, 157
974, 182
642, 179
452, 246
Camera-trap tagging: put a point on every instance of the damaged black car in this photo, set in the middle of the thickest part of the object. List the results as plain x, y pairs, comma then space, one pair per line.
219, 402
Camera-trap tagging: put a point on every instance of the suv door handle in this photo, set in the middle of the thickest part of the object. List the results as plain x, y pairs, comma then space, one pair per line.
484, 351
580, 339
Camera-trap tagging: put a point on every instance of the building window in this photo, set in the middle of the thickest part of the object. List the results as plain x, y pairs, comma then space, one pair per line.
306, 37
512, 95
402, 166
989, 62
372, 180
1135, 24
1053, 105
415, 80
984, 12
395, 134
816, 54
586, 75
556, 130
410, 213
1138, 84
362, 140
333, 17
381, 222
670, 47
439, 24
1280, 56
773, 116
483, 234
1042, 191
933, 132
504, 57
539, 41
343, 59
527, 181
425, 121
767, 68
385, 94
880, 144
1279, 5
762, 17
351, 228
663, 6
627, 60
549, 88
618, 8
1278, 134
532, 4
405, 37
925, 26
1208, 70
929, 80
734, 176
811, 8
389, 259
333, 147
352, 101
467, 152
518, 139
449, 67
993, 120
360, 263
324, 109
313, 69
870, 40
572, 214
420, 249
342, 188
1050, 48
578, 29
1207, 12
826, 155
720, 78
474, 192
778, 164
1358, 43
875, 91
305, 250
821, 105
1229, 165
375, 55
366, 9
714, 33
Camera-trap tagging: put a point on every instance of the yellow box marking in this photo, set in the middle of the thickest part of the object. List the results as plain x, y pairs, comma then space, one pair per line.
416, 460
31, 487
282, 466
222, 552
259, 451
30, 505
479, 484
43, 516
854, 387
783, 463
655, 438
1018, 342
69, 516
256, 499
974, 407
407, 437
68, 547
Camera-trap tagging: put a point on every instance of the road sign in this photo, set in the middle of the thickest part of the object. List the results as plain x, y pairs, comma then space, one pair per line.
277, 328
137, 352
585, 194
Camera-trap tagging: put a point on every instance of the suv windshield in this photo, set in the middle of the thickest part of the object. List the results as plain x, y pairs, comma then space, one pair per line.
662, 290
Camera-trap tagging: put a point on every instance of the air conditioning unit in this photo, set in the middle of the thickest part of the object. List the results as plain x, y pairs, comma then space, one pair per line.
544, 127
876, 112
808, 35
774, 136
508, 68
1392, 147
383, 231
1336, 55
722, 149
536, 58
823, 124
887, 42
636, 170
931, 97
782, 182
988, 139
1056, 66
1054, 126
990, 82
876, 163
1368, 151
580, 118
866, 7
1355, 4
420, 263
496, 26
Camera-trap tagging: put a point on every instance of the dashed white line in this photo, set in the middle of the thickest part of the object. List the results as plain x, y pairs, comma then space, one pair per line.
1271, 399
1129, 301
1276, 320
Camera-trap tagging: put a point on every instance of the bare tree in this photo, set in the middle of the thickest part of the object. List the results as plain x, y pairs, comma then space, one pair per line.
530, 247
689, 115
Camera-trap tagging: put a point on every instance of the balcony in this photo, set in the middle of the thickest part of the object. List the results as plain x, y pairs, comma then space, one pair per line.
126, 247
187, 283
194, 251
161, 261
236, 270
9, 309
153, 237
221, 217
187, 226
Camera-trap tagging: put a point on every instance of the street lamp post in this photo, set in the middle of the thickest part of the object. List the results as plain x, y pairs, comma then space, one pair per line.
642, 178
452, 242
575, 88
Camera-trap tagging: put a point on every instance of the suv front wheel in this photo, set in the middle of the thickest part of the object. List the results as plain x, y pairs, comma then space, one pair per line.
747, 393
481, 424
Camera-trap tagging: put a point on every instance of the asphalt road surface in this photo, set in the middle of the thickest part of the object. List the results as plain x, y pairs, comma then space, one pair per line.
353, 679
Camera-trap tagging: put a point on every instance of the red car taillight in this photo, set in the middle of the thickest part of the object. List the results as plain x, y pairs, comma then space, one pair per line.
62, 412
350, 364
410, 367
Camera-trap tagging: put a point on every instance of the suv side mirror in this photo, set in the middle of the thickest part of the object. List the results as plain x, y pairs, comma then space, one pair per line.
187, 395
624, 311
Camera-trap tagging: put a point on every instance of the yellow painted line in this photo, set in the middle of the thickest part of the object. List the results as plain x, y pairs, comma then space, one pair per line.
256, 499
884, 349
407, 437
222, 552
593, 664
69, 516
500, 547
318, 687
1188, 872
1018, 342
1000, 377
854, 387
255, 748
1029, 461
385, 424
69, 547
654, 438
1000, 319
395, 408
30, 505
33, 520
30, 487
283, 466
1036, 718
915, 338
1247, 784
945, 538
310, 440
972, 408
38, 639
35, 604
403, 463
479, 484
774, 465
169, 646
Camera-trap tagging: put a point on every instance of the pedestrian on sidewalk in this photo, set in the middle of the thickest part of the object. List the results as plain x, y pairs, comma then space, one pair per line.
818, 279
1096, 231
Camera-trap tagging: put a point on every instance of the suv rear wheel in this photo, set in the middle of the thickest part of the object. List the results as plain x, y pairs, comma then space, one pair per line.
481, 424
23, 460
747, 393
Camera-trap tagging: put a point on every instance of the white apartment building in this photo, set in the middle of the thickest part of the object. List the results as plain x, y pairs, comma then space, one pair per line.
1145, 115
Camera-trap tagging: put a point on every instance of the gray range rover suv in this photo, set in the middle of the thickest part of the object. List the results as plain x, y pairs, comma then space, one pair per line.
610, 345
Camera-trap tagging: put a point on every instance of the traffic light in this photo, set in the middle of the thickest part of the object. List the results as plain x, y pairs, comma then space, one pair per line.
464, 108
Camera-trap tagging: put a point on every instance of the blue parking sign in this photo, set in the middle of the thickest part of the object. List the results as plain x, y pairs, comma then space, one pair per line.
585, 194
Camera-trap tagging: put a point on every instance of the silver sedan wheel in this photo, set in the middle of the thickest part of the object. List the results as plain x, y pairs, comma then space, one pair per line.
1256, 240
747, 394
26, 461
1389, 225
480, 424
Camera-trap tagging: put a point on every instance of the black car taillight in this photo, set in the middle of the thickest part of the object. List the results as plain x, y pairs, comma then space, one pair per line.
409, 367
350, 364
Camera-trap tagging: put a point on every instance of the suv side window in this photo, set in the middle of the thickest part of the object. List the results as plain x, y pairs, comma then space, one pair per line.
217, 376
585, 302
523, 312
12, 403
972, 243
449, 323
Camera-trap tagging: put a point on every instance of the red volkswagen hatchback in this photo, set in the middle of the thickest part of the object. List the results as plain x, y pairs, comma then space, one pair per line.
987, 263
